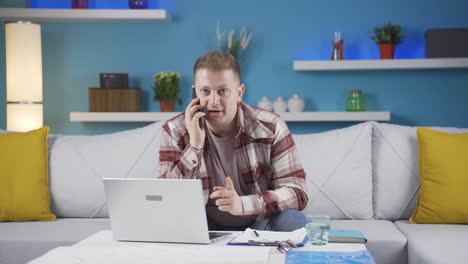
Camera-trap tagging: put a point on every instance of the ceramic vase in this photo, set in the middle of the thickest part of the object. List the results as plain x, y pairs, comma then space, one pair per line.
280, 106
138, 4
83, 4
265, 104
355, 101
295, 104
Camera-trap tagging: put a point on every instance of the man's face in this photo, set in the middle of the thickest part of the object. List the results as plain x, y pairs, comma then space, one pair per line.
219, 91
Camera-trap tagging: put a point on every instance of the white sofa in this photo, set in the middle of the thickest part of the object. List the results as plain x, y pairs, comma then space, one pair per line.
364, 176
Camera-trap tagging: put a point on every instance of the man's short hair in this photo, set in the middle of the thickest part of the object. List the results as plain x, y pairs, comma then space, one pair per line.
216, 61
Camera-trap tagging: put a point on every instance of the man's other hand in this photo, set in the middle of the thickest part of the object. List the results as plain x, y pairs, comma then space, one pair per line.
227, 198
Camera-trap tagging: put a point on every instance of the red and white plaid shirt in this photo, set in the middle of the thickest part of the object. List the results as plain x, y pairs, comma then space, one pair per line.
266, 159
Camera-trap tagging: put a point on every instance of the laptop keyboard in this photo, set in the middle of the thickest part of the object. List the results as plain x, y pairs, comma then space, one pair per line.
214, 235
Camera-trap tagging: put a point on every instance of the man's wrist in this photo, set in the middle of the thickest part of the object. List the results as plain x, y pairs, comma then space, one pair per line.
196, 149
242, 206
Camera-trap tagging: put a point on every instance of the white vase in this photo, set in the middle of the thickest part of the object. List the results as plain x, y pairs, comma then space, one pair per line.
295, 104
280, 106
265, 104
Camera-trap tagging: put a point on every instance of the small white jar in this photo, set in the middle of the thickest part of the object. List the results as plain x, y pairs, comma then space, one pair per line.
280, 106
295, 104
266, 104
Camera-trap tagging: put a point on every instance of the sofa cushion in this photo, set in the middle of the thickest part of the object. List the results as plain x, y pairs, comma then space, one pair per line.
338, 167
40, 237
438, 243
78, 164
24, 185
384, 241
443, 171
395, 169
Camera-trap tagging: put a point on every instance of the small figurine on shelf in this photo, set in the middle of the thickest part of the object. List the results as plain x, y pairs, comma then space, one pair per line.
355, 101
138, 4
337, 53
280, 106
82, 4
266, 104
295, 104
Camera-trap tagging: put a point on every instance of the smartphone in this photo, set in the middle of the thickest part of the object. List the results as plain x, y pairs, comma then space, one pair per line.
194, 95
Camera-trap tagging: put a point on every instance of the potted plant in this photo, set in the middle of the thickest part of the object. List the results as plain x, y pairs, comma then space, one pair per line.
166, 90
235, 43
387, 36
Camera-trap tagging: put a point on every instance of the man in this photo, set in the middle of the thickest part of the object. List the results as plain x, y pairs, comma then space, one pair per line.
244, 156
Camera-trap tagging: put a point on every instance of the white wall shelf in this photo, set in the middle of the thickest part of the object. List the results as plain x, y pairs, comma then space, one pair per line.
396, 64
335, 116
82, 15
290, 117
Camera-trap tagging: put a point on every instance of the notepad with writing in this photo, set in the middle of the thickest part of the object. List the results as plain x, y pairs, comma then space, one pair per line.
346, 236
259, 237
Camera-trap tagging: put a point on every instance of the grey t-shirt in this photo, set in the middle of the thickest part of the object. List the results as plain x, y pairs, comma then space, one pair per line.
220, 163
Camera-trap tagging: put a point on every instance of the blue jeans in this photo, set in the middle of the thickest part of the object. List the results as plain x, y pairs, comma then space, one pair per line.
285, 221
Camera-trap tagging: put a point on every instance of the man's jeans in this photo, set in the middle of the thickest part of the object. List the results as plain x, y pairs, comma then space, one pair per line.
287, 220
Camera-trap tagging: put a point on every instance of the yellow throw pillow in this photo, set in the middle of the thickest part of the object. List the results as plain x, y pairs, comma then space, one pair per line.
24, 184
443, 172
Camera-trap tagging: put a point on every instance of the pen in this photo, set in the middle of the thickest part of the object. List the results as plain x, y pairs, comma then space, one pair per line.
256, 234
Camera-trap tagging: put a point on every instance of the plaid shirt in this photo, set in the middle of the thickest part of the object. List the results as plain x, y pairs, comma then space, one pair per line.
266, 157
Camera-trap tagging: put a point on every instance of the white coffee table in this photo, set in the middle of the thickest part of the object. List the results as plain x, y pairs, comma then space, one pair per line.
105, 247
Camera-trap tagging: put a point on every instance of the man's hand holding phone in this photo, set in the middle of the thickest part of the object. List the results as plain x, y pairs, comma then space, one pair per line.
192, 117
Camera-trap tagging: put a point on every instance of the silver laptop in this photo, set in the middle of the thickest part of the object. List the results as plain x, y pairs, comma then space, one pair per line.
158, 210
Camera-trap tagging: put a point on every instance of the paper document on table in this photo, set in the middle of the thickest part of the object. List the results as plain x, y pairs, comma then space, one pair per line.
298, 236
150, 254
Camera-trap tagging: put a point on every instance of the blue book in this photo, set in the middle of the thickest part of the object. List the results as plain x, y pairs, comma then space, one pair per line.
346, 236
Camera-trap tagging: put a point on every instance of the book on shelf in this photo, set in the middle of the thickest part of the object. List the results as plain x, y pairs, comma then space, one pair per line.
346, 236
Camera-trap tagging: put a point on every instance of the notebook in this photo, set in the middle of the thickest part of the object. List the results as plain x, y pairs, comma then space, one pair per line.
346, 236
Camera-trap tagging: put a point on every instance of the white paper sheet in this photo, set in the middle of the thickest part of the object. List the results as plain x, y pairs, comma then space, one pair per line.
297, 236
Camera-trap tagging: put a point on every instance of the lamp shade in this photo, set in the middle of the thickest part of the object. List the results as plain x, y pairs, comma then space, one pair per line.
23, 76
24, 117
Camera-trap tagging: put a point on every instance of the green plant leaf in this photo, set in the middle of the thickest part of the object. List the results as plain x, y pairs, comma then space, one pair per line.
166, 86
387, 33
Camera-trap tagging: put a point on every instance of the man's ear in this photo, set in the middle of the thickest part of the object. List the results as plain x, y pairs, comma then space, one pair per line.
240, 92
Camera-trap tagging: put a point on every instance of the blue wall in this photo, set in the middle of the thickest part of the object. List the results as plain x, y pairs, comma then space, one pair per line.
75, 53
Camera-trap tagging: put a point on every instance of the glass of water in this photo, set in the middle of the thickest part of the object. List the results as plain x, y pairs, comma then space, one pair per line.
317, 227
